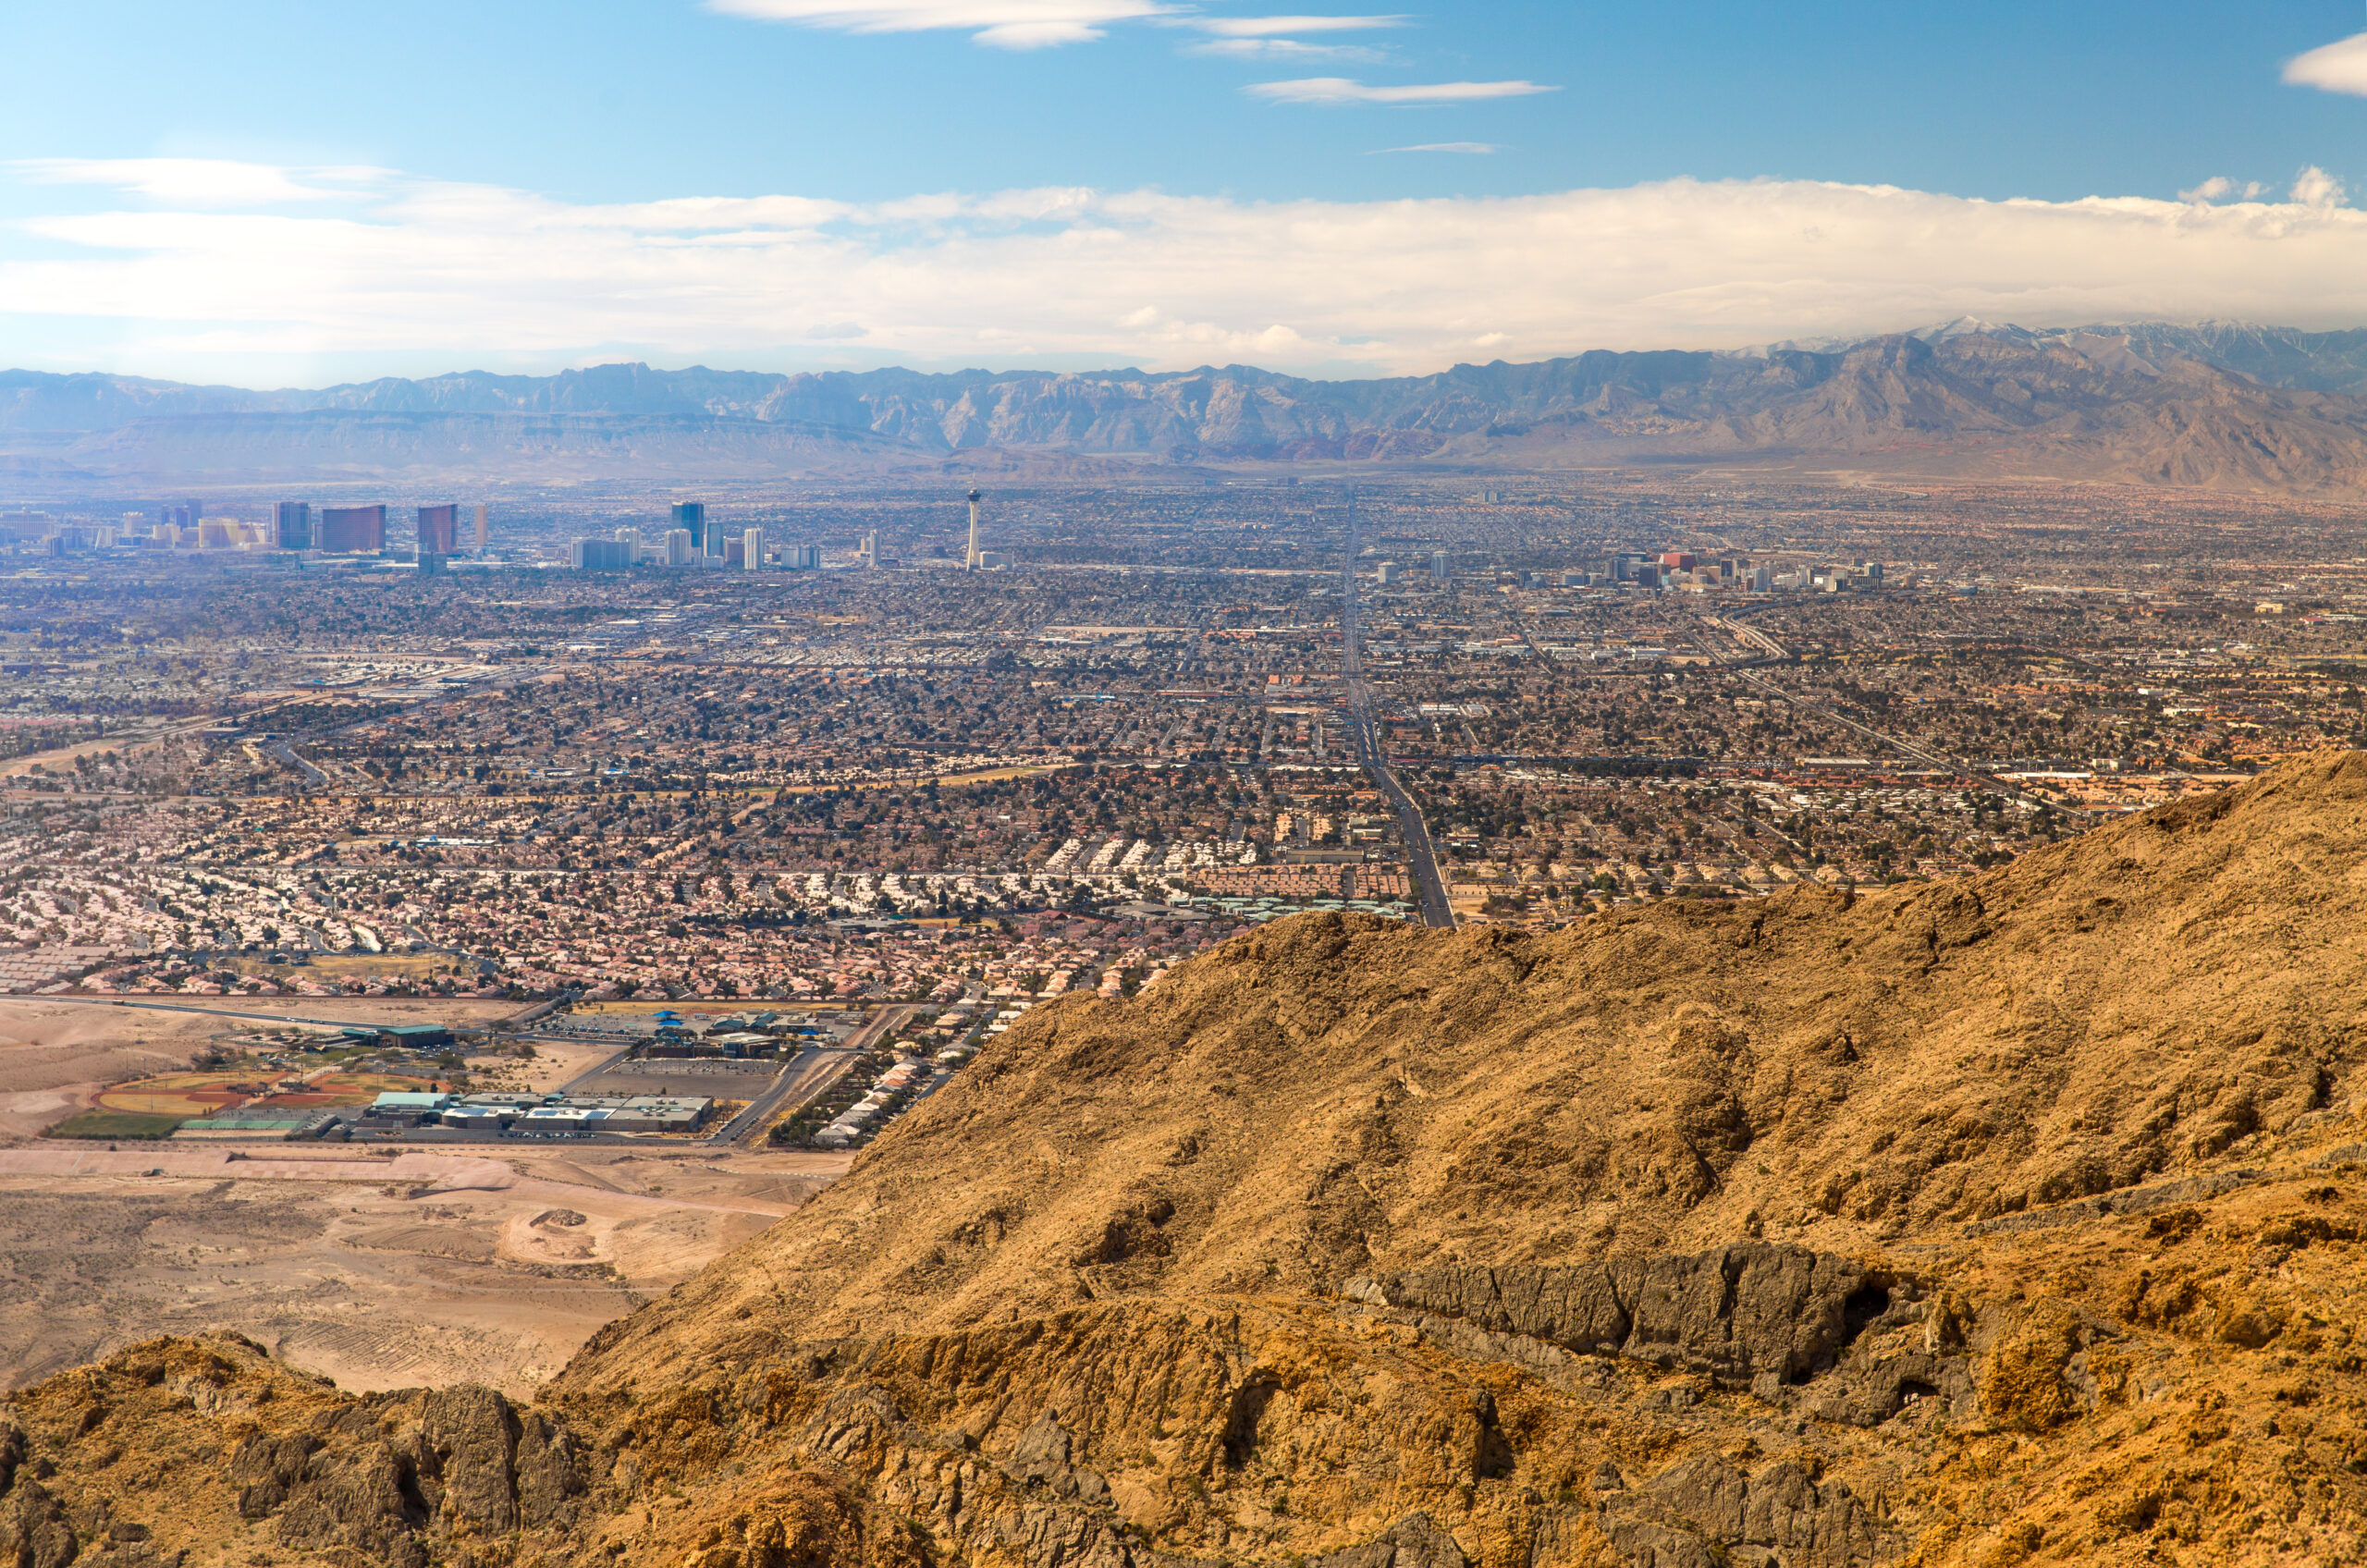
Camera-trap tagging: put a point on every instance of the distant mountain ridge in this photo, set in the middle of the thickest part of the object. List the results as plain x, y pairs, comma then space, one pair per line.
2215, 404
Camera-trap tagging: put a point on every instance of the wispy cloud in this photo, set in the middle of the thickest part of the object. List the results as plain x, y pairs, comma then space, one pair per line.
1006, 24
2339, 66
2218, 187
401, 266
1287, 49
1275, 27
1035, 24
1343, 90
201, 182
1439, 147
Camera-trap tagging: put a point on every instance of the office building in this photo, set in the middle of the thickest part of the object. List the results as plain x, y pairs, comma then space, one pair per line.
484, 528
804, 558
1439, 568
438, 531
970, 561
631, 539
597, 555
866, 553
291, 525
1762, 579
752, 549
352, 531
693, 515
679, 546
1385, 572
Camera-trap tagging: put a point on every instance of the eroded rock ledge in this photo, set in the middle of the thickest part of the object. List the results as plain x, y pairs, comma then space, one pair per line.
1754, 1314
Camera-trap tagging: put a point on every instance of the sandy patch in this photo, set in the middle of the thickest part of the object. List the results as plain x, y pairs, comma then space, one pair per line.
379, 1272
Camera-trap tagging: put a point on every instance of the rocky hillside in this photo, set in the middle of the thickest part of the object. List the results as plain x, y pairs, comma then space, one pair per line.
2227, 407
2010, 1220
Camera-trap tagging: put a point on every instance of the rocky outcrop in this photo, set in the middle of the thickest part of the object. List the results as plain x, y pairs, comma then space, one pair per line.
1810, 1330
1042, 1459
1705, 1513
1738, 1314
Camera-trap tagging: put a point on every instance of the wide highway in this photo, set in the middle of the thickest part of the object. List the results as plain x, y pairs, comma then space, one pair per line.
1419, 855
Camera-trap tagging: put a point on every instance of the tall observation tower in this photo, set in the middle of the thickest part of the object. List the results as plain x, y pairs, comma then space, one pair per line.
970, 561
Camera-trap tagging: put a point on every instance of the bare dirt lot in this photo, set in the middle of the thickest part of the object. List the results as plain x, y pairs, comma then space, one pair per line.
55, 1056
378, 1272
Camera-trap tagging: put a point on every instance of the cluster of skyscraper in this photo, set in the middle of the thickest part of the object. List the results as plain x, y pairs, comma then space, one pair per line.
298, 525
361, 530
691, 542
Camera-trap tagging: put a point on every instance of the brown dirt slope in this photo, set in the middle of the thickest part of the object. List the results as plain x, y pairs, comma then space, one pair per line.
2013, 1218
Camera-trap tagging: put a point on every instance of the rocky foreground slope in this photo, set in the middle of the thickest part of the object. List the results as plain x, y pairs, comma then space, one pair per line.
2015, 1219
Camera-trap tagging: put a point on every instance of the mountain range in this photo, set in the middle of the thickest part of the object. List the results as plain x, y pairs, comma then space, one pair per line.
2012, 1219
2215, 406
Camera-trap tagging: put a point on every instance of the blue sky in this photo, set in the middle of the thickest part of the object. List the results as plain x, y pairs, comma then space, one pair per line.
1235, 117
634, 101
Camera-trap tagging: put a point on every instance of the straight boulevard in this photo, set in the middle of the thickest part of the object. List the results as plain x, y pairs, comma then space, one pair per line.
1369, 755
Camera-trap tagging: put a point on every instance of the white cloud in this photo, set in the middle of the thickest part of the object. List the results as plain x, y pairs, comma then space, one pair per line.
2210, 189
400, 268
2334, 67
1273, 27
1008, 24
1343, 90
202, 182
2315, 187
1445, 147
1286, 49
